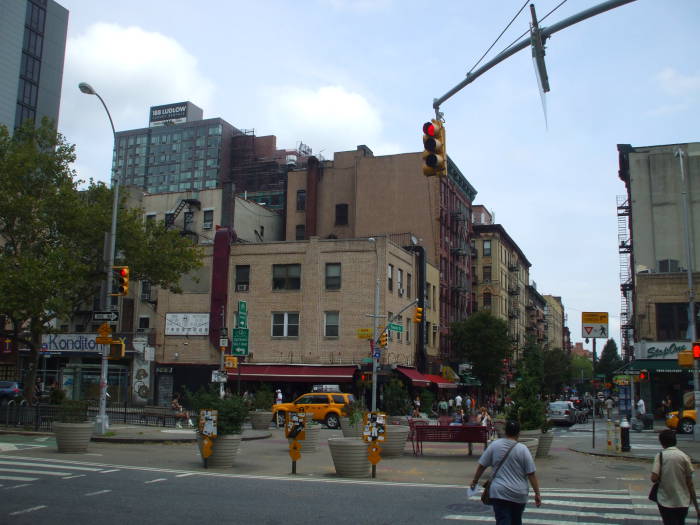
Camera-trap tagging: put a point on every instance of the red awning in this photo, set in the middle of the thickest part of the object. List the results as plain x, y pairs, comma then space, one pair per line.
295, 373
440, 381
417, 379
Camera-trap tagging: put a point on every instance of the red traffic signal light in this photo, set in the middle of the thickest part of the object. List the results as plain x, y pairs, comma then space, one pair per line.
434, 155
643, 375
120, 275
696, 349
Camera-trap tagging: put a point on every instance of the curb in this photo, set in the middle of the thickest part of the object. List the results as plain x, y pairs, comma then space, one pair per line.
605, 453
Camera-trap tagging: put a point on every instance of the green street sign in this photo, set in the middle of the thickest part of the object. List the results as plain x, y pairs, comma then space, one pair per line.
242, 314
239, 342
395, 327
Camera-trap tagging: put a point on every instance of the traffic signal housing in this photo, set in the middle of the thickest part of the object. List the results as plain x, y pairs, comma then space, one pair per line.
643, 375
696, 349
116, 349
418, 315
434, 152
384, 339
120, 275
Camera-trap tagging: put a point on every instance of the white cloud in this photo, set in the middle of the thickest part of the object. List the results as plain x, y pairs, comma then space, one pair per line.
329, 119
678, 84
132, 69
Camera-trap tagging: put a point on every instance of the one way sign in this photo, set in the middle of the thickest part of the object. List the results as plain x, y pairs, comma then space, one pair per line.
106, 315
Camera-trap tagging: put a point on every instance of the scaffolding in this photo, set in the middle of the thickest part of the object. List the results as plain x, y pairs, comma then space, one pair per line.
626, 283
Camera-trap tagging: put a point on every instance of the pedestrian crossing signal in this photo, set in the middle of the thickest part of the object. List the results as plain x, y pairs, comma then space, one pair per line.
696, 349
644, 375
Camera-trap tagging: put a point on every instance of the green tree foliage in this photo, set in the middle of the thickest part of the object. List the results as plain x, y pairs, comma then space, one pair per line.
527, 407
395, 400
482, 339
52, 237
582, 372
557, 370
609, 360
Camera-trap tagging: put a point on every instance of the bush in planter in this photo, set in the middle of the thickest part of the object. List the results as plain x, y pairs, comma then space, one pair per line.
57, 396
70, 411
232, 411
427, 399
527, 407
396, 401
355, 411
263, 399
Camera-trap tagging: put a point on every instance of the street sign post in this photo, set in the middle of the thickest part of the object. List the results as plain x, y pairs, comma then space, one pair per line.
110, 316
242, 314
239, 344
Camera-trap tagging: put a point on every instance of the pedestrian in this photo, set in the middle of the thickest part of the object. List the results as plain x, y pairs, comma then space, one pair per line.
416, 407
442, 407
508, 490
666, 404
484, 418
450, 404
468, 402
641, 408
278, 397
180, 413
458, 401
673, 471
458, 418
609, 407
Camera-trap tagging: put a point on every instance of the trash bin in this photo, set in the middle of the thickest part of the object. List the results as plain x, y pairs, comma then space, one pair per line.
648, 421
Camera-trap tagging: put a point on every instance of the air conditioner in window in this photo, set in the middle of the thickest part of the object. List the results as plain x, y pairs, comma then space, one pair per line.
242, 287
207, 225
401, 292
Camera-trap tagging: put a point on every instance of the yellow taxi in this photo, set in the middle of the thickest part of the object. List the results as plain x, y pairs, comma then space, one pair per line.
687, 423
326, 407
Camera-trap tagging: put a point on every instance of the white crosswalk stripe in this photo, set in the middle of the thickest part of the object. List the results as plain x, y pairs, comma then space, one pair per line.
25, 469
564, 506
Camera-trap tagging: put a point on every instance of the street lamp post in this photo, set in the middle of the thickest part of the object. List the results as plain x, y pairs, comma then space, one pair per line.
102, 421
375, 332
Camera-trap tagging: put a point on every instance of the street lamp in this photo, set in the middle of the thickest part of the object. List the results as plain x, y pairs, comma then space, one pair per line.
102, 420
375, 334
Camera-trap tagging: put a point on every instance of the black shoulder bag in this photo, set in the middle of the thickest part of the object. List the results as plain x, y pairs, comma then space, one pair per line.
654, 492
485, 497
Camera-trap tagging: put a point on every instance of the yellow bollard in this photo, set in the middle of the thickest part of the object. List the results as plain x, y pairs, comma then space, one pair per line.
611, 437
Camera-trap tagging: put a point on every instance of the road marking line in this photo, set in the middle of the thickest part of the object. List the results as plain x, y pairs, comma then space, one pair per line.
569, 503
25, 511
74, 476
185, 475
20, 486
46, 465
98, 492
29, 471
41, 438
481, 517
17, 478
108, 471
156, 480
623, 496
584, 514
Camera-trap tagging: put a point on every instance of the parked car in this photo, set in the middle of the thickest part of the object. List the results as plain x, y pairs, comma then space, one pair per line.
687, 424
562, 412
324, 407
10, 390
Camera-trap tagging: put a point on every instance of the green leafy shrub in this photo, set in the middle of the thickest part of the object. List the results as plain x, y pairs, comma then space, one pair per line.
427, 398
395, 400
70, 411
232, 411
263, 398
57, 396
355, 411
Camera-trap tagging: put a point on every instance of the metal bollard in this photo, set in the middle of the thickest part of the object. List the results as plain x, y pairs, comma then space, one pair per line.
618, 446
625, 435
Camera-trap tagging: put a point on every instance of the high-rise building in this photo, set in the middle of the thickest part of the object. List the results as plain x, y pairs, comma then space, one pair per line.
32, 50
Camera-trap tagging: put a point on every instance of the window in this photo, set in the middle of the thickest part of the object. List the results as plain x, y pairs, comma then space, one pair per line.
301, 200
286, 276
300, 232
487, 248
151, 218
144, 322
407, 331
285, 324
399, 280
331, 324
332, 276
486, 270
145, 290
399, 321
409, 281
390, 277
208, 220
242, 277
487, 300
189, 219
341, 214
389, 333
169, 218
672, 321
427, 296
668, 266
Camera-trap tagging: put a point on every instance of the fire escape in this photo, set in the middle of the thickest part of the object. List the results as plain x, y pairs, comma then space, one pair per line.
626, 284
514, 306
171, 217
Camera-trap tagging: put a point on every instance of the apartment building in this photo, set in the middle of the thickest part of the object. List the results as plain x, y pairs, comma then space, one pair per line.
554, 317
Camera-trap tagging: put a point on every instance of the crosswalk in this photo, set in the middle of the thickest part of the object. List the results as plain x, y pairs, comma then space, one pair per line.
583, 507
14, 470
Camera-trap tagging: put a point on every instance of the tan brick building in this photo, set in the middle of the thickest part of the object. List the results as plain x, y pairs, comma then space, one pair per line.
554, 323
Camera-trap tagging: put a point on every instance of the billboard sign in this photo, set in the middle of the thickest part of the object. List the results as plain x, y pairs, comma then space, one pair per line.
186, 324
168, 114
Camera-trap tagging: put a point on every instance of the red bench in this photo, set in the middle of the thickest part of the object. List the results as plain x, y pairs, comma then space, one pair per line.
450, 434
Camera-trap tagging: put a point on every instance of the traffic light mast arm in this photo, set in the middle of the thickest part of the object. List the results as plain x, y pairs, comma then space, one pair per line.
394, 318
546, 32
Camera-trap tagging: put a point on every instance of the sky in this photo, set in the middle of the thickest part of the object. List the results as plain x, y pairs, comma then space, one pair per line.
338, 73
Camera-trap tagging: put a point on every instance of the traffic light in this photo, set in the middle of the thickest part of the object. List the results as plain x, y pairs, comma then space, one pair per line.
384, 339
116, 349
418, 315
434, 153
696, 349
643, 375
120, 275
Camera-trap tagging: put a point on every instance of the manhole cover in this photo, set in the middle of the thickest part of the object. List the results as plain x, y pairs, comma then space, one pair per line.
623, 466
470, 506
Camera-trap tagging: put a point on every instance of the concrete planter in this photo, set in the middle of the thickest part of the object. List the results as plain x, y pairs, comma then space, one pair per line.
531, 443
349, 457
544, 444
394, 440
73, 437
224, 450
261, 419
351, 431
310, 444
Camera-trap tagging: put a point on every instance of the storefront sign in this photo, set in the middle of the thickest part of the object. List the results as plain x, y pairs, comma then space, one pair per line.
186, 324
70, 343
659, 349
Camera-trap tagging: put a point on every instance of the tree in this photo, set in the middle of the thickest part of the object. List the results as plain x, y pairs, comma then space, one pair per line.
527, 407
557, 370
482, 339
52, 237
609, 360
581, 372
